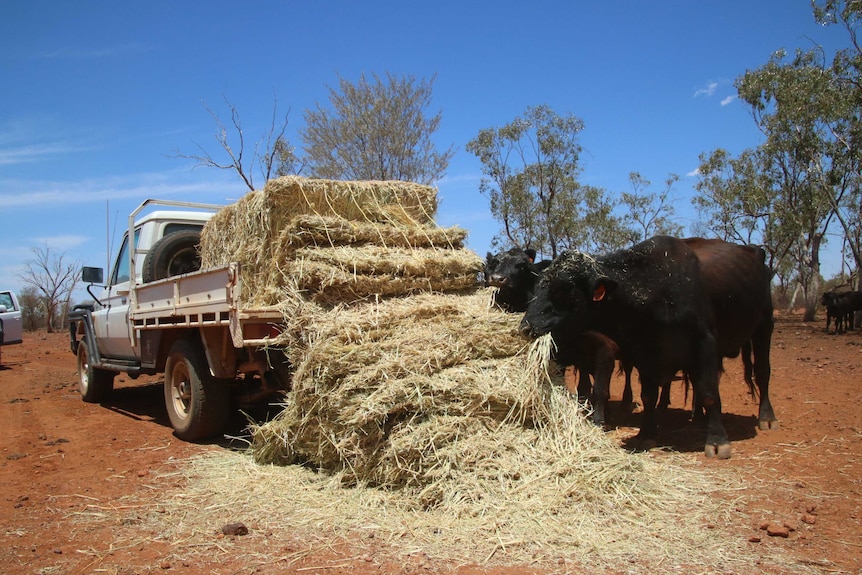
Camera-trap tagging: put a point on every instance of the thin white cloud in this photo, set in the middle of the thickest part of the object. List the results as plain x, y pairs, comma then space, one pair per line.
693, 173
35, 152
29, 193
38, 138
708, 90
728, 100
61, 243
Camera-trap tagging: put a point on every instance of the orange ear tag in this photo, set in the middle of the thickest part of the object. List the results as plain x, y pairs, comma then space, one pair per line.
599, 294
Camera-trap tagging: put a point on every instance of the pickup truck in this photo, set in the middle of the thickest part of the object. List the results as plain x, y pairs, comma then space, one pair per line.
158, 313
10, 319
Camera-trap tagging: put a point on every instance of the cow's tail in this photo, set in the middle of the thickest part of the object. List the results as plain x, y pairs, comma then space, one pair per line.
748, 368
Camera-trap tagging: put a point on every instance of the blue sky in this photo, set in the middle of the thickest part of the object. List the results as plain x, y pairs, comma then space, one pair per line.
95, 97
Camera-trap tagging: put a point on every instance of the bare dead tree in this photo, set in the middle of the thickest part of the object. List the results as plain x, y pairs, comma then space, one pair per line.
272, 154
52, 275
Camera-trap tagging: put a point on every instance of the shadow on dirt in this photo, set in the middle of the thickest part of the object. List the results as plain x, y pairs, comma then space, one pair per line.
146, 403
677, 431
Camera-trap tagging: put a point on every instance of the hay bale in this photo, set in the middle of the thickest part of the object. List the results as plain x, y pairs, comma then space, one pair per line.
379, 222
372, 383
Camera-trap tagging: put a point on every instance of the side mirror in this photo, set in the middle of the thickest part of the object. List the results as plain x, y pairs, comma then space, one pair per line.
2, 309
92, 275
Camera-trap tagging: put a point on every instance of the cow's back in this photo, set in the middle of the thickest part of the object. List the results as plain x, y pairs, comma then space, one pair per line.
737, 282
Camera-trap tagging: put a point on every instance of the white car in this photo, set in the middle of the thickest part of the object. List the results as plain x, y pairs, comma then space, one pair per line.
10, 319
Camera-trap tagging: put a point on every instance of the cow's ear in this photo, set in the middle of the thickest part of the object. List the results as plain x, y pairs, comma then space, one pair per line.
531, 253
602, 288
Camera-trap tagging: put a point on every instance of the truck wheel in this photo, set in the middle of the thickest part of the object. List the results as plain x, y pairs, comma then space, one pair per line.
174, 254
94, 384
197, 404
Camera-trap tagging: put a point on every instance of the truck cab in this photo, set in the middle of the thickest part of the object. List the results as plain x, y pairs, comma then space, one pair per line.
150, 233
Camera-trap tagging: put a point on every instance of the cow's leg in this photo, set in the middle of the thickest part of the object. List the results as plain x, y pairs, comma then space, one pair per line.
664, 399
761, 343
585, 386
649, 425
705, 379
604, 369
628, 397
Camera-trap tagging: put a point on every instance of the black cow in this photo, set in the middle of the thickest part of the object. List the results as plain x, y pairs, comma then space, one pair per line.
840, 306
514, 273
670, 305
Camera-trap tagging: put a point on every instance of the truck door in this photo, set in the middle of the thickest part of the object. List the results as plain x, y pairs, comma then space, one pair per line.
11, 318
112, 330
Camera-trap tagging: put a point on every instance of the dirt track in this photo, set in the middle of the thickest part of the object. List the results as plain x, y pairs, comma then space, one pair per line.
68, 468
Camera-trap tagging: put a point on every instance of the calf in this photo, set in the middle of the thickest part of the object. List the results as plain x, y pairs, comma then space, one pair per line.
670, 305
840, 306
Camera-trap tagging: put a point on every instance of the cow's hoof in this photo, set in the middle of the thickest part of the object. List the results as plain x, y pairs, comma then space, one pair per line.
720, 451
767, 425
646, 444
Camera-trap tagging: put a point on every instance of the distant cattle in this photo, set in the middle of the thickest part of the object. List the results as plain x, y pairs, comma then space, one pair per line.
840, 307
670, 305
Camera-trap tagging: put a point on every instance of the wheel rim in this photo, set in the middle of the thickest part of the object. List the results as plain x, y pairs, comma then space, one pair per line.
83, 368
185, 261
181, 395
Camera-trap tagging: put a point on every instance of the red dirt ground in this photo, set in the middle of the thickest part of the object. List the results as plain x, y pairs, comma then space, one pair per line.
62, 458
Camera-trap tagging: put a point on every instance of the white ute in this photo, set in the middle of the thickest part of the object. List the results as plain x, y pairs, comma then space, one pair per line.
170, 317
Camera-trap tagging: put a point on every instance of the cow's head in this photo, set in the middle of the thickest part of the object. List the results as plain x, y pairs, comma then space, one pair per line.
566, 295
513, 269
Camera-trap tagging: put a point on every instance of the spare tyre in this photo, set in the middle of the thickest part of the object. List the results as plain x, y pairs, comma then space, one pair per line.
174, 254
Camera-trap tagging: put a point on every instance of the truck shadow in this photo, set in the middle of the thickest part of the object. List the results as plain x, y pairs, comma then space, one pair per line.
146, 403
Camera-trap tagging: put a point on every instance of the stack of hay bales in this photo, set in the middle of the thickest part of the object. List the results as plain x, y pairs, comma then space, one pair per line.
338, 242
404, 376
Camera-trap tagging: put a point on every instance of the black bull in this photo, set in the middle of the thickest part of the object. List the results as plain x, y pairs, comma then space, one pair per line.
670, 305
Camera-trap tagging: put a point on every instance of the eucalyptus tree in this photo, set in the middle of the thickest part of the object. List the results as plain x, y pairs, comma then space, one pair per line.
376, 129
531, 167
846, 124
648, 213
796, 104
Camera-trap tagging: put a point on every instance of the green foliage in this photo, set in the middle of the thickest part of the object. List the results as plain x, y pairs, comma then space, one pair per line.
649, 214
375, 130
788, 192
531, 167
